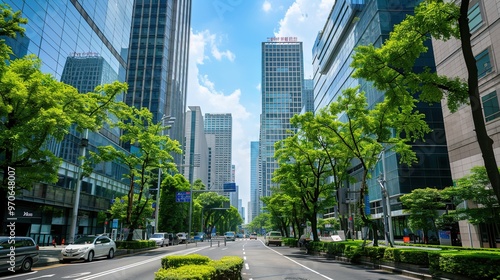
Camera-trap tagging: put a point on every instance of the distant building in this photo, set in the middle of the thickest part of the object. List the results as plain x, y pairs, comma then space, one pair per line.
219, 133
196, 150
308, 96
253, 207
462, 143
282, 85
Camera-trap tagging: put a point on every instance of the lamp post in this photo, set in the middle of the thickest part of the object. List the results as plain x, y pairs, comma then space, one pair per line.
171, 122
76, 201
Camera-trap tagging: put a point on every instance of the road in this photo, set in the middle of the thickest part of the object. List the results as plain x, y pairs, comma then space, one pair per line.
260, 262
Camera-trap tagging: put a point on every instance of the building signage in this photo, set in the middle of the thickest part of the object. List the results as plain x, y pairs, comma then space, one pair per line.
282, 39
84, 54
182, 196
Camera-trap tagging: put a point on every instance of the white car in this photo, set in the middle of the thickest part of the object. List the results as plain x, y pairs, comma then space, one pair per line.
89, 247
161, 239
182, 237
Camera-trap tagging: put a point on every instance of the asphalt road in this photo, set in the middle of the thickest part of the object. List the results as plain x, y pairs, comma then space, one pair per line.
260, 262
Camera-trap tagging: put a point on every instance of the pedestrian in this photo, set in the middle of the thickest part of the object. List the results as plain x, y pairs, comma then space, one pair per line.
54, 242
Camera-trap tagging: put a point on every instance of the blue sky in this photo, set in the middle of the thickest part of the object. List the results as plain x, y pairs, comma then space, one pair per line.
225, 60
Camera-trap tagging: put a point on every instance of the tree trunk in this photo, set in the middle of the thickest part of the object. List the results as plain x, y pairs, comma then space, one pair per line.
483, 139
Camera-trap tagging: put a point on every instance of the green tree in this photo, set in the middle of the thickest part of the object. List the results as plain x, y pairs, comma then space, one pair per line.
260, 223
119, 209
173, 216
149, 150
277, 205
363, 133
211, 204
476, 188
391, 68
423, 206
303, 171
36, 109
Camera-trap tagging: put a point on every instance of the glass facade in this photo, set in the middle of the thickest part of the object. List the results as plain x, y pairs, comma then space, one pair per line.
219, 128
282, 85
80, 43
370, 22
158, 61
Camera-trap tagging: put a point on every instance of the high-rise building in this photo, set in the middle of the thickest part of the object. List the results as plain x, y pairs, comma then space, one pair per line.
355, 23
253, 205
219, 133
195, 147
282, 84
158, 60
66, 35
308, 96
462, 142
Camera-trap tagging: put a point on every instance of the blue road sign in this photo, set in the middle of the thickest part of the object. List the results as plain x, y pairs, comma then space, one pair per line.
229, 187
182, 196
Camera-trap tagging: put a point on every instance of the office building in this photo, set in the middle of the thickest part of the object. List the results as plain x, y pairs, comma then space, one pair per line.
282, 85
355, 23
158, 60
67, 35
308, 96
253, 204
196, 150
219, 133
462, 144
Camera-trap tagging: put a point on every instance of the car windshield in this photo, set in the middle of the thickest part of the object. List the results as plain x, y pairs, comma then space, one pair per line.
84, 240
200, 234
157, 235
229, 234
275, 234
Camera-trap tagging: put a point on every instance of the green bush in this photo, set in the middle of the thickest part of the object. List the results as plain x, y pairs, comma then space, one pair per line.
335, 248
412, 256
190, 271
228, 267
375, 253
478, 265
178, 261
135, 244
290, 241
353, 252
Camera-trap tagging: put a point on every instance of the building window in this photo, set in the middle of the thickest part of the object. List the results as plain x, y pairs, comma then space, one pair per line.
483, 63
475, 20
490, 106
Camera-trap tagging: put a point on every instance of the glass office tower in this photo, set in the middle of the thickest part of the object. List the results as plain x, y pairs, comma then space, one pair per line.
354, 23
158, 61
65, 35
219, 134
282, 85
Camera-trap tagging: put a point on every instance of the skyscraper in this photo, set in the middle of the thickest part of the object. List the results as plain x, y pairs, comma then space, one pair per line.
195, 149
282, 84
253, 205
158, 60
308, 96
80, 43
219, 132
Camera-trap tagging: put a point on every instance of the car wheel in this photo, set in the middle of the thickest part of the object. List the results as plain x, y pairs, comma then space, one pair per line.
111, 253
27, 264
64, 261
162, 244
90, 257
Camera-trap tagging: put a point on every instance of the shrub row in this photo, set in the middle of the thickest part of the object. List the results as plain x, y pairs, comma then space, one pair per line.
478, 264
135, 244
199, 267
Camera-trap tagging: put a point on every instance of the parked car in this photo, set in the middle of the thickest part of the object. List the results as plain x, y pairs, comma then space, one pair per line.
182, 237
253, 236
230, 236
161, 238
200, 236
273, 237
24, 250
240, 235
88, 248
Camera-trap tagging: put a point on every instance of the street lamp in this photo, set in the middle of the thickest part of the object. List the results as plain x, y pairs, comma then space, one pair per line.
171, 121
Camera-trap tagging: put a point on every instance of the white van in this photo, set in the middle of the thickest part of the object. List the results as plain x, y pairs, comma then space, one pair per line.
18, 253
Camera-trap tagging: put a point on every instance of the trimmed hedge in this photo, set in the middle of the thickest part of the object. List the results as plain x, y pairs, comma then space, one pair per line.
413, 256
199, 267
290, 241
477, 265
178, 261
135, 244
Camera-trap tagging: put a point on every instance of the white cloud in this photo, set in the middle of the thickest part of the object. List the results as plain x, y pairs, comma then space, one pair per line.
266, 6
304, 19
203, 92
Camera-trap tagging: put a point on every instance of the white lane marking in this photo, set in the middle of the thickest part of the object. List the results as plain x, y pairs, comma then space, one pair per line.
313, 271
19, 275
76, 275
246, 266
44, 276
100, 274
244, 258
